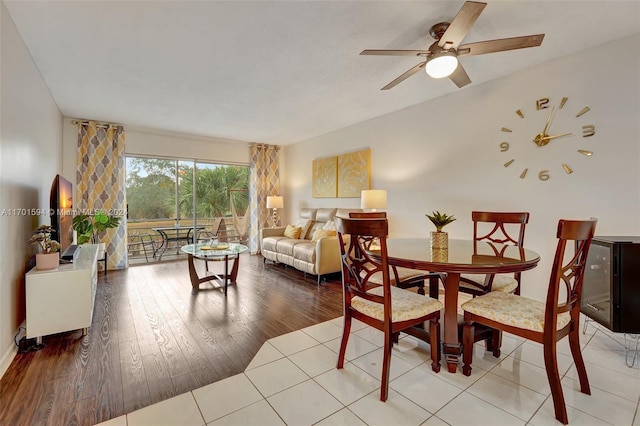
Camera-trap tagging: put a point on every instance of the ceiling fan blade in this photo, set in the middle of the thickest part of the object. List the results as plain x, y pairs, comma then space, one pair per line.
404, 76
460, 76
461, 25
395, 52
500, 45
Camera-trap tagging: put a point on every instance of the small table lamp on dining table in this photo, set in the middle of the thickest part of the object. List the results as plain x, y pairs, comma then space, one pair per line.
275, 202
373, 199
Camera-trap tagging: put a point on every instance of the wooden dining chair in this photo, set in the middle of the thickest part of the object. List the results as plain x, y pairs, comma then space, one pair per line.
501, 228
400, 277
543, 322
385, 307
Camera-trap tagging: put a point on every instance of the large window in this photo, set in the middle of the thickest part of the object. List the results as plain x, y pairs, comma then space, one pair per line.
161, 193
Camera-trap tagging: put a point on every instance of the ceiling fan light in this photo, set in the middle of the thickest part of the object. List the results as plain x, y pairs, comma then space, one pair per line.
442, 64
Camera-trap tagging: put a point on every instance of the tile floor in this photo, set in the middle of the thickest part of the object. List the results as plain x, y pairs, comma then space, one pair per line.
293, 381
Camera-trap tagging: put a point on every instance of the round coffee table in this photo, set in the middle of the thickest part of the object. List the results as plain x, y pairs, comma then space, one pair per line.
207, 252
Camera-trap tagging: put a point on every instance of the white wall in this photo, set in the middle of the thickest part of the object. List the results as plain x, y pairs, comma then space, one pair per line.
444, 154
162, 144
30, 157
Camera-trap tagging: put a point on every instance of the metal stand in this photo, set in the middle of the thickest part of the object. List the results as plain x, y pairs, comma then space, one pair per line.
629, 348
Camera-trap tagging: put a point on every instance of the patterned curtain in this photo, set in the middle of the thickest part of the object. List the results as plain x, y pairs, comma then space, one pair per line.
100, 182
264, 181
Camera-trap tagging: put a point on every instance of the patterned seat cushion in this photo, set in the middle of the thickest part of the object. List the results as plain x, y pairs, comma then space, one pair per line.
403, 274
503, 283
516, 311
405, 305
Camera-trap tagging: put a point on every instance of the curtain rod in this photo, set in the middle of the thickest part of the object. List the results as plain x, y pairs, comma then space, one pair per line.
99, 124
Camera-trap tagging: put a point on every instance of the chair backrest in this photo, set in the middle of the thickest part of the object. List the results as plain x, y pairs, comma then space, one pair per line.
568, 274
357, 265
368, 215
499, 233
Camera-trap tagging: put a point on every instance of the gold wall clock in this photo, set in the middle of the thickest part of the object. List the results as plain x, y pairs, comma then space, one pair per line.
550, 124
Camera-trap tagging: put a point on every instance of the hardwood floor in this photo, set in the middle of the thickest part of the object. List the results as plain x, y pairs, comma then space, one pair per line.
151, 339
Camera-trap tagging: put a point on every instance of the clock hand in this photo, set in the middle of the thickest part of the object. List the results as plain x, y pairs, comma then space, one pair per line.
546, 126
539, 139
546, 138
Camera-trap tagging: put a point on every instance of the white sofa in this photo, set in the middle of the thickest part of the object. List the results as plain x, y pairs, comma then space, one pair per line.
318, 258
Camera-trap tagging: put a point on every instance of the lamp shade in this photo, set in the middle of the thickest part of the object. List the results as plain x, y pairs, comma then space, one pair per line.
441, 64
373, 199
275, 202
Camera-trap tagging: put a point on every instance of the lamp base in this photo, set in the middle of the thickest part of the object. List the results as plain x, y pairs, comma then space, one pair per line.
274, 218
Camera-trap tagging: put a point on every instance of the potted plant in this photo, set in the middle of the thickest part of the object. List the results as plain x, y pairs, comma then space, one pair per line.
48, 257
90, 228
439, 238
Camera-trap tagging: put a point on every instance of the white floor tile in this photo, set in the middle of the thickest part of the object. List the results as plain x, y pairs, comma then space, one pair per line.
356, 347
266, 354
372, 364
348, 384
315, 360
180, 410
525, 374
276, 376
509, 396
397, 410
324, 331
612, 360
413, 350
296, 409
427, 390
457, 379
435, 421
226, 396
118, 421
546, 417
600, 404
343, 417
372, 335
533, 353
467, 409
259, 413
611, 381
293, 342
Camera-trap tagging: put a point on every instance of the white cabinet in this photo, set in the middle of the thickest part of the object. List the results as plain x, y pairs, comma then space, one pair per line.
62, 299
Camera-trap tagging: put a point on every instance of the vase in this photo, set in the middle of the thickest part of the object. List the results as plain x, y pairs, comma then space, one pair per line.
439, 240
46, 261
101, 250
439, 255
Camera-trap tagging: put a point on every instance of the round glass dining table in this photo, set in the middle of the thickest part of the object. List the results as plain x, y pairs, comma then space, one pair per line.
462, 256
208, 252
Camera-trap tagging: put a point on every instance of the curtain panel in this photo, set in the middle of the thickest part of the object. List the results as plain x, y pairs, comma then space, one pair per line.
264, 180
100, 182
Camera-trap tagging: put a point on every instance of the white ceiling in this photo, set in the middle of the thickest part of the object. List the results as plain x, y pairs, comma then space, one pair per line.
277, 72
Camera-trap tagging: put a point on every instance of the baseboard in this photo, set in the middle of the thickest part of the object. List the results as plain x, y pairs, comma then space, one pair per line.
6, 359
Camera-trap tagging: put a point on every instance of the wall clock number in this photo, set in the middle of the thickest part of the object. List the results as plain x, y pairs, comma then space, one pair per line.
588, 130
543, 175
504, 146
542, 103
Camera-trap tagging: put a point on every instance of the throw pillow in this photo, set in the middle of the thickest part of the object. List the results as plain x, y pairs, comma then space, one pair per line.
330, 226
321, 233
304, 224
292, 231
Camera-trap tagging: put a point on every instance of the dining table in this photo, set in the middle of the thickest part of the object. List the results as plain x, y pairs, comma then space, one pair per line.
461, 257
175, 234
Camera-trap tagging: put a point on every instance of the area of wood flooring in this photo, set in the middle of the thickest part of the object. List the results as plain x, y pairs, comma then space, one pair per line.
151, 339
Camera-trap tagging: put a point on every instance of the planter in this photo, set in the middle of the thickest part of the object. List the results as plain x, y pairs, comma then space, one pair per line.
101, 250
439, 255
46, 261
439, 240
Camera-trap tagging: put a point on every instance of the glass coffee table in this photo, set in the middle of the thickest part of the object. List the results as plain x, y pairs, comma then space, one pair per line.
211, 252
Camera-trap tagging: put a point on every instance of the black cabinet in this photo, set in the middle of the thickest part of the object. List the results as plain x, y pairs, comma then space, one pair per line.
611, 289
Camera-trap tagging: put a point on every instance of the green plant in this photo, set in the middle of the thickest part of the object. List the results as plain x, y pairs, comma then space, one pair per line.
89, 228
440, 220
42, 237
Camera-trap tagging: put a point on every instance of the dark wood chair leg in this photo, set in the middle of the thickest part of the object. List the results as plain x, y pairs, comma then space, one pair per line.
574, 345
551, 365
434, 341
467, 347
345, 338
386, 366
496, 343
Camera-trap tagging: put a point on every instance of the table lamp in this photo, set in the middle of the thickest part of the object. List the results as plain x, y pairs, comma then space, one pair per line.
373, 199
275, 202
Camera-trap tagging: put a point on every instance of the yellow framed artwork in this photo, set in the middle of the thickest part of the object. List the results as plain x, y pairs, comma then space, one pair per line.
354, 173
325, 177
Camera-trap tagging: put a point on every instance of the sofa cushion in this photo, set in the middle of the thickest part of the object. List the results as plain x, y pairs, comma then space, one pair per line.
329, 226
270, 243
305, 252
307, 213
286, 245
325, 215
321, 233
305, 225
293, 231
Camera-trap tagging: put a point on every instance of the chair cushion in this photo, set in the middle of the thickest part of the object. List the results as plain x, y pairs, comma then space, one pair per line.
503, 283
516, 311
403, 274
405, 305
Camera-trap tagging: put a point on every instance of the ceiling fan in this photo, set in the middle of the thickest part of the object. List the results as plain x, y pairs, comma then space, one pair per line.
441, 59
